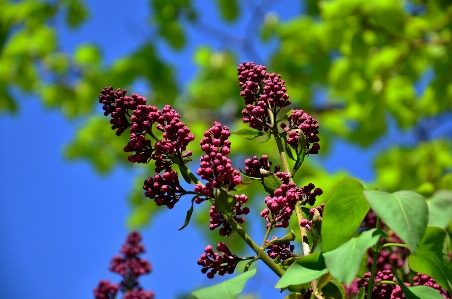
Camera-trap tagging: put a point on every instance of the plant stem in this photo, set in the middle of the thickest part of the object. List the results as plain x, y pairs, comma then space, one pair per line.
266, 235
286, 166
394, 245
370, 284
261, 253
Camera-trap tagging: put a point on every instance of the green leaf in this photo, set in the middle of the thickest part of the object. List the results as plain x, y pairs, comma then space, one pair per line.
270, 181
76, 13
248, 133
424, 292
316, 229
229, 9
334, 289
184, 171
287, 238
405, 212
189, 213
288, 150
224, 203
440, 208
228, 289
304, 270
87, 55
242, 186
343, 262
343, 213
432, 258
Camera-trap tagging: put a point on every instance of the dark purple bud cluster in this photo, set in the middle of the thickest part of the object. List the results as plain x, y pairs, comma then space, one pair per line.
216, 263
254, 165
262, 92
281, 205
310, 193
130, 266
308, 223
217, 220
170, 149
308, 125
283, 176
393, 291
142, 119
425, 280
382, 291
164, 189
250, 79
176, 137
284, 249
117, 104
139, 294
105, 290
215, 167
389, 257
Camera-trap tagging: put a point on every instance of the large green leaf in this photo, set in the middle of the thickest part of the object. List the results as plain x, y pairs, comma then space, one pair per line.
343, 213
440, 208
228, 289
432, 258
343, 262
405, 212
304, 270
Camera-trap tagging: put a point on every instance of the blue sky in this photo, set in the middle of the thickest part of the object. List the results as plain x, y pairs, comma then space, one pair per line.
61, 223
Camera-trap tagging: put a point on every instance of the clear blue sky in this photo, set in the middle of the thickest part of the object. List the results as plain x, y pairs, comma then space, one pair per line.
60, 223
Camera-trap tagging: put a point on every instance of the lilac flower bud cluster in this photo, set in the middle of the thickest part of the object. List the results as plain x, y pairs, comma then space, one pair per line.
393, 291
216, 263
254, 165
141, 123
139, 294
217, 220
281, 205
284, 249
262, 92
176, 137
308, 125
164, 189
389, 257
167, 151
130, 266
310, 193
215, 167
105, 290
425, 280
117, 104
382, 291
308, 223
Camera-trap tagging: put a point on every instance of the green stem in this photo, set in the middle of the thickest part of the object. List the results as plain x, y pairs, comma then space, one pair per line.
286, 166
266, 235
371, 282
261, 253
394, 245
